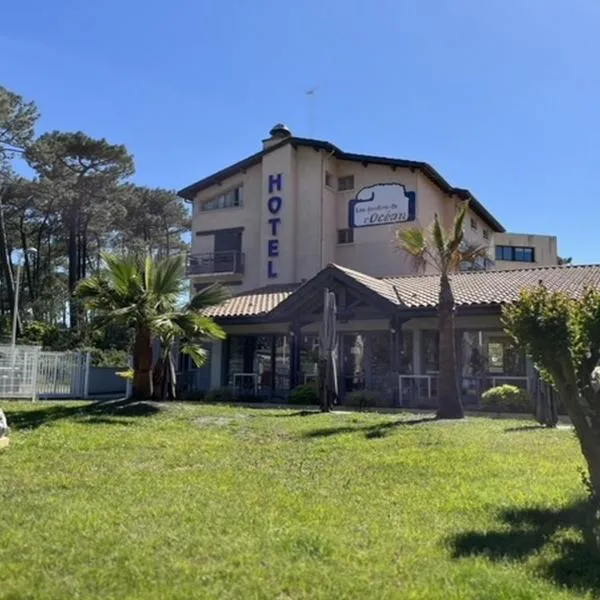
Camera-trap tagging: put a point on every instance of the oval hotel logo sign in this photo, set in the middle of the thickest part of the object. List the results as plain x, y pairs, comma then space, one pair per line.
382, 204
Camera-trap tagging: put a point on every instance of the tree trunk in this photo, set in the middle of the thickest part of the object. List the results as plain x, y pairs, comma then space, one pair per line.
6, 263
73, 268
586, 422
450, 406
142, 364
172, 377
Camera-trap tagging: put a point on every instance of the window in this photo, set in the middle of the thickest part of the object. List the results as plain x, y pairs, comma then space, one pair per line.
486, 234
515, 253
229, 199
430, 343
346, 183
473, 224
345, 236
524, 254
328, 179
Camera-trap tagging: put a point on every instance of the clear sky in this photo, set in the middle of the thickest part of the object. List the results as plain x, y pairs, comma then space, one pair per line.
501, 96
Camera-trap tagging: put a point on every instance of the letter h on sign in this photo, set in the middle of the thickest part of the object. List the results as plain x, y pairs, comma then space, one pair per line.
274, 183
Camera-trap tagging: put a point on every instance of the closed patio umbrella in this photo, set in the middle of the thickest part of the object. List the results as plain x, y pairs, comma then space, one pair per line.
327, 352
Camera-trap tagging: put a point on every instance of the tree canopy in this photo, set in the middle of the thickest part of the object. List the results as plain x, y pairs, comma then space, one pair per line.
78, 203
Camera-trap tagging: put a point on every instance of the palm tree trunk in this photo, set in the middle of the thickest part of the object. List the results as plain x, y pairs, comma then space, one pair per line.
142, 364
450, 406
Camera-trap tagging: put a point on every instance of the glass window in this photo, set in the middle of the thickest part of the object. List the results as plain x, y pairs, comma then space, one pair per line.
495, 357
503, 356
352, 359
430, 356
486, 234
262, 364
282, 364
473, 223
524, 254
328, 179
228, 199
516, 253
345, 236
346, 183
236, 357
309, 357
406, 352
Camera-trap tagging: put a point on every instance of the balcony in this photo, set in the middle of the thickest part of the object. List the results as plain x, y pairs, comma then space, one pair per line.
226, 262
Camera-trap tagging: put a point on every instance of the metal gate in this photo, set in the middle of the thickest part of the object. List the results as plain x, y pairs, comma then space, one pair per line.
29, 372
18, 371
62, 374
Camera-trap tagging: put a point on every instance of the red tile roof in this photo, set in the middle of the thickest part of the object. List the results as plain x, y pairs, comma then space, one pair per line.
484, 288
253, 303
478, 288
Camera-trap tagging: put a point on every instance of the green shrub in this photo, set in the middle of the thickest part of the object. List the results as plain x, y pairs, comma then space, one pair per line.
507, 398
362, 399
305, 395
109, 358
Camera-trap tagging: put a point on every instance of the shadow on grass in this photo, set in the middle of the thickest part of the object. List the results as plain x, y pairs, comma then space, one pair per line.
519, 428
573, 561
378, 430
102, 412
299, 413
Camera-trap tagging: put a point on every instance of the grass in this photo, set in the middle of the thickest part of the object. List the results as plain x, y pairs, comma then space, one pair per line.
190, 501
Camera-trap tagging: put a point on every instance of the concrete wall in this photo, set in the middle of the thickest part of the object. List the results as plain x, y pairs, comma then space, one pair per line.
104, 380
545, 249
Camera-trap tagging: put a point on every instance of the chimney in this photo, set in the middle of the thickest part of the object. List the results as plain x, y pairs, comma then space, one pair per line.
278, 133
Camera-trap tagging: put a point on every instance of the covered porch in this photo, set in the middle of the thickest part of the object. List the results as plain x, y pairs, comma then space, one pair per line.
384, 347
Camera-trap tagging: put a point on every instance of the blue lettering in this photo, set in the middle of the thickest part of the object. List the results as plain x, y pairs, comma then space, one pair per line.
273, 223
273, 247
271, 270
274, 205
275, 182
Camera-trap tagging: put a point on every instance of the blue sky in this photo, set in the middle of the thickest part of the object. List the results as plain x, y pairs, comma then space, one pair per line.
501, 96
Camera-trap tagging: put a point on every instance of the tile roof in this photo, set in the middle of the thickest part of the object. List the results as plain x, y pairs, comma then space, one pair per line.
478, 288
484, 288
252, 303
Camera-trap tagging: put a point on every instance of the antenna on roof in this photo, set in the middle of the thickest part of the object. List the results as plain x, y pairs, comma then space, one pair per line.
310, 100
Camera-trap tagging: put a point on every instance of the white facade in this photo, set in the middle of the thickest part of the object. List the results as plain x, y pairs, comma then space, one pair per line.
282, 215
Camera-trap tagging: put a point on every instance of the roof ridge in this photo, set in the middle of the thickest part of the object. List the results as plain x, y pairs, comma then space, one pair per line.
490, 271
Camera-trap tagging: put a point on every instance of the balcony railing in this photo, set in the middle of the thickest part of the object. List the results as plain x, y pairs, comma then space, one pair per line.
226, 262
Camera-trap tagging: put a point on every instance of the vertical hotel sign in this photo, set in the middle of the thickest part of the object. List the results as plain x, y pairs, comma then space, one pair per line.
274, 204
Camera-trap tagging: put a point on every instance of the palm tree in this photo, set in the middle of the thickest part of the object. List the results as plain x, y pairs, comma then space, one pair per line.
145, 295
446, 250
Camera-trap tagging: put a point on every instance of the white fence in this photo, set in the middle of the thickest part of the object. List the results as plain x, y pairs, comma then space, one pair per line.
29, 372
18, 371
63, 374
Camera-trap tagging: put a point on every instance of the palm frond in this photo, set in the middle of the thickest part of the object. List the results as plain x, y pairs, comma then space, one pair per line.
212, 295
439, 236
148, 272
96, 293
459, 221
168, 276
469, 253
123, 274
195, 352
189, 325
414, 243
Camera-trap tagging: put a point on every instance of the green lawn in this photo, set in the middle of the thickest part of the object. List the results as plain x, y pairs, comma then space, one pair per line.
192, 501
